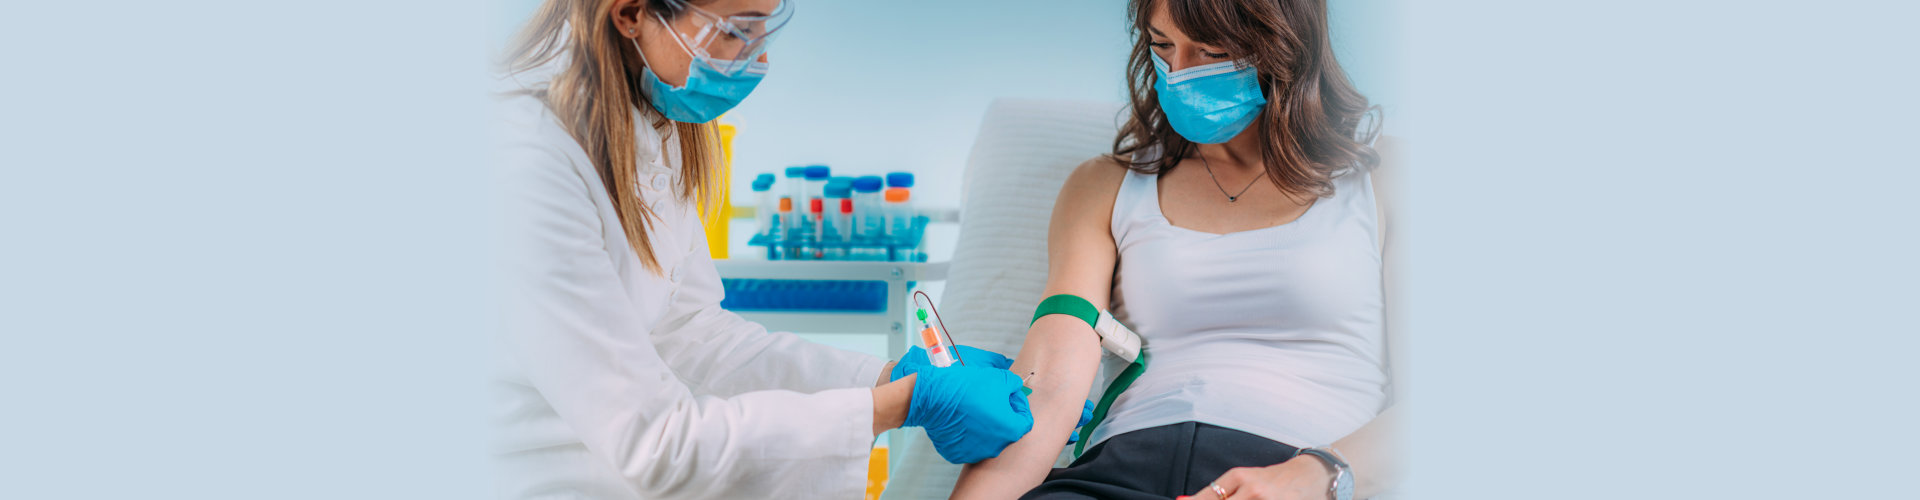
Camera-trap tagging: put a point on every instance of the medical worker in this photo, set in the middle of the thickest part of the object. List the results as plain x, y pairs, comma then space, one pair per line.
621, 375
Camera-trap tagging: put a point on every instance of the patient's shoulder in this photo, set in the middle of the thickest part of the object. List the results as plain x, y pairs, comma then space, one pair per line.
1087, 197
1097, 179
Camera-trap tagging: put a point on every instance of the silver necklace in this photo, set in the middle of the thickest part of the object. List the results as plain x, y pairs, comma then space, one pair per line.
1223, 189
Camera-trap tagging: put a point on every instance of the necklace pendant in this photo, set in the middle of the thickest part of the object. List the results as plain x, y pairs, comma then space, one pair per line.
1231, 199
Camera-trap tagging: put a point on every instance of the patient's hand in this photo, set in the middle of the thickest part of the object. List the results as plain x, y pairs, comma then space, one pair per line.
1304, 477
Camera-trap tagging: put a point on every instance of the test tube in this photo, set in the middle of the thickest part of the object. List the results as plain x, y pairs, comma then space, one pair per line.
764, 207
797, 183
900, 179
870, 226
815, 182
797, 189
817, 176
844, 223
835, 236
937, 341
816, 207
937, 351
899, 224
777, 245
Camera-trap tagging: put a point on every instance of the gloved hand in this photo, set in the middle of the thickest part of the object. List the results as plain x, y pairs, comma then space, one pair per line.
971, 412
916, 360
1086, 415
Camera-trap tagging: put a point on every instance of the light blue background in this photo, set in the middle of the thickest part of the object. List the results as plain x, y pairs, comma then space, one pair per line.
872, 86
1655, 249
1663, 250
240, 250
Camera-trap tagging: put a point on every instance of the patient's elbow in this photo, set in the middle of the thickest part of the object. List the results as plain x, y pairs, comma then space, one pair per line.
1059, 364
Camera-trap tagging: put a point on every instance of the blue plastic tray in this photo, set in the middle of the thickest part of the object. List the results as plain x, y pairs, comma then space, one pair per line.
804, 295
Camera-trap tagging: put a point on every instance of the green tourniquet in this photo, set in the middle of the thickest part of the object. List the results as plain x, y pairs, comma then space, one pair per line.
1119, 385
1077, 307
1071, 305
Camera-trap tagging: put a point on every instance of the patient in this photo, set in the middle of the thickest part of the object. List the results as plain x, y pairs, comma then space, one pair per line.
1235, 228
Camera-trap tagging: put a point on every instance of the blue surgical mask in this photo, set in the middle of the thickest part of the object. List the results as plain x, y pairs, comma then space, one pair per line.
707, 93
1209, 104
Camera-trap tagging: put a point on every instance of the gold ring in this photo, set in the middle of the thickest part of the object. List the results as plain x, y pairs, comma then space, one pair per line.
1218, 491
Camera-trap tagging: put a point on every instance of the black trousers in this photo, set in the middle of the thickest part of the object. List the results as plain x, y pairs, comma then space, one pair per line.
1160, 463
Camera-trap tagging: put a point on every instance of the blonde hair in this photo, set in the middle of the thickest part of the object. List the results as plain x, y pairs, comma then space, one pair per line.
594, 95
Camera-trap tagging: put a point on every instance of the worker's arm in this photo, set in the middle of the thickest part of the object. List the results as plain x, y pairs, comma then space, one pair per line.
723, 354
575, 336
1061, 352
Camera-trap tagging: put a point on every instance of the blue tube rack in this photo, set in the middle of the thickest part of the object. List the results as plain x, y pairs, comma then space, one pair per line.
798, 245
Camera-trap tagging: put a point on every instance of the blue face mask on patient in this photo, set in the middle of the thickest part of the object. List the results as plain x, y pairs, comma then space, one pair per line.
1208, 104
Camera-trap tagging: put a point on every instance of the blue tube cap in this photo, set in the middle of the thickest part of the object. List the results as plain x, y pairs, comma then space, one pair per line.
796, 171
838, 189
868, 184
818, 173
763, 182
900, 179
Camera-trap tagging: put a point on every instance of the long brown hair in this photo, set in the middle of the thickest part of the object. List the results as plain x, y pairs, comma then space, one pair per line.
594, 96
1312, 110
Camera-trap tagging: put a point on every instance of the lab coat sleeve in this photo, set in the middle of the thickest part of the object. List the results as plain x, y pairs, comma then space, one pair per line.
724, 354
572, 330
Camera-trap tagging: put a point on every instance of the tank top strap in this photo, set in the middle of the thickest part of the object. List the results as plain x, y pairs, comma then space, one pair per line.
1138, 199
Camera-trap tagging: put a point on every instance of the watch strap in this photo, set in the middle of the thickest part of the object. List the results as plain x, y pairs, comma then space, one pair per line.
1342, 487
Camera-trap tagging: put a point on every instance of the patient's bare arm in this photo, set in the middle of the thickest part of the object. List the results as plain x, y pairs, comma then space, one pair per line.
1061, 353
1375, 449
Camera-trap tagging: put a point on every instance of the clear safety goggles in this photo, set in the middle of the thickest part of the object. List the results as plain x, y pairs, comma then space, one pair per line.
727, 44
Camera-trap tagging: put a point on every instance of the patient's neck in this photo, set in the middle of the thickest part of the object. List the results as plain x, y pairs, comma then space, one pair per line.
1241, 154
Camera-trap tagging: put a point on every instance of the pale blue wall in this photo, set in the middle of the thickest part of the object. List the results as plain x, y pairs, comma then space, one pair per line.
874, 85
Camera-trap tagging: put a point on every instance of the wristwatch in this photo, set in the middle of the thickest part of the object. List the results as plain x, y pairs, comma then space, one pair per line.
1342, 488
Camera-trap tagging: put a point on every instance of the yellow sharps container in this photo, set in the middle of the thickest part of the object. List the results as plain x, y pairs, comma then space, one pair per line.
716, 223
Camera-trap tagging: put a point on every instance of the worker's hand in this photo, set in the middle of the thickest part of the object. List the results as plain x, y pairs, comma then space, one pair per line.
916, 360
1086, 415
1304, 477
970, 412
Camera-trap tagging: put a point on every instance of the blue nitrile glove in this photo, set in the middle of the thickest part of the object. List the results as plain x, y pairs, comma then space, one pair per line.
970, 412
916, 360
1086, 415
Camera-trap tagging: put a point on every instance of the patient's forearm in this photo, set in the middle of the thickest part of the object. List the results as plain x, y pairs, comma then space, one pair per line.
1374, 453
1063, 355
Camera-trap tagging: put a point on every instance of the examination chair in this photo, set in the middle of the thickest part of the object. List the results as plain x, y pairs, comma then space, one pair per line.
1022, 156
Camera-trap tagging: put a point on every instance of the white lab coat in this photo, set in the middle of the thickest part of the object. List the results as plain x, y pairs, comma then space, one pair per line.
618, 383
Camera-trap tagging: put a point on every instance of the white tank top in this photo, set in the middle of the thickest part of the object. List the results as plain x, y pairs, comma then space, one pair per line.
1274, 331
